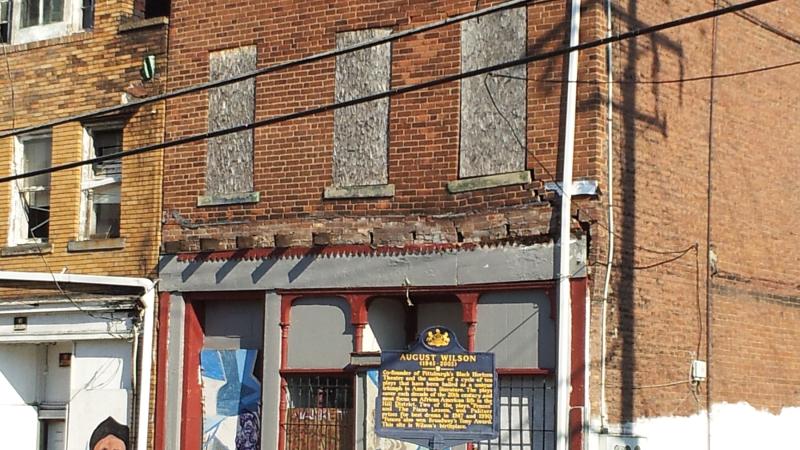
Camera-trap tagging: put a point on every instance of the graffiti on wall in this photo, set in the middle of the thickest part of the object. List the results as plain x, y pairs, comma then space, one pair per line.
231, 400
110, 435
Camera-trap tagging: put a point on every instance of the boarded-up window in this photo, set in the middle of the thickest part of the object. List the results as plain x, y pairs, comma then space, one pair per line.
518, 328
230, 157
361, 142
321, 335
493, 107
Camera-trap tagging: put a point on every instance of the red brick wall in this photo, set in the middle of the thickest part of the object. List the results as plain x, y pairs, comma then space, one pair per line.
658, 314
293, 159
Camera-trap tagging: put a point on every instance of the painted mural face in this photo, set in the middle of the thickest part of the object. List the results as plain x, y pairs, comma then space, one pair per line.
109, 435
110, 443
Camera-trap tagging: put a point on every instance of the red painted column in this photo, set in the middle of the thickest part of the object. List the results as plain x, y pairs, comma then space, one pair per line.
161, 370
358, 318
192, 408
286, 320
578, 293
469, 314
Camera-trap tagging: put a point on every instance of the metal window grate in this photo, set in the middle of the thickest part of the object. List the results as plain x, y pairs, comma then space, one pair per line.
527, 414
320, 413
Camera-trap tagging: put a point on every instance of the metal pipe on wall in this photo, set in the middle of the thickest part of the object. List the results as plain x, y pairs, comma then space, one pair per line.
610, 191
564, 301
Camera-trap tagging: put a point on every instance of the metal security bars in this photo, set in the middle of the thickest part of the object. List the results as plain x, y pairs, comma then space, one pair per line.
527, 414
320, 413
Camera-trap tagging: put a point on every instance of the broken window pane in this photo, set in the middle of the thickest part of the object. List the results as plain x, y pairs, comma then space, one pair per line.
35, 191
101, 183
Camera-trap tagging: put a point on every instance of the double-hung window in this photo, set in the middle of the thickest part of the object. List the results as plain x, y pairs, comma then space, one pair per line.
30, 213
32, 20
100, 186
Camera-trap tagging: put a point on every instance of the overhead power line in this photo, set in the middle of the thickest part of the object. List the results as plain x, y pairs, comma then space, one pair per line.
399, 90
274, 68
671, 81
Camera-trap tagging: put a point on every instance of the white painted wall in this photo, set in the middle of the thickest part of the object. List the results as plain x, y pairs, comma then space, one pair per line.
101, 365
19, 422
63, 326
736, 426
100, 387
56, 384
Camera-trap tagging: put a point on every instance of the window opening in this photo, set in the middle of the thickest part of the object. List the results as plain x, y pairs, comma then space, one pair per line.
527, 414
33, 212
87, 14
156, 8
320, 412
5, 21
41, 12
101, 184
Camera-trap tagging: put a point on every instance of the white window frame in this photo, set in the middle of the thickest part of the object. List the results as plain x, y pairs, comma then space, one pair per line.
18, 219
73, 21
90, 181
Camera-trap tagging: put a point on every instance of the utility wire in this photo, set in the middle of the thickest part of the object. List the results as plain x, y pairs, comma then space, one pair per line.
767, 26
275, 68
672, 81
399, 90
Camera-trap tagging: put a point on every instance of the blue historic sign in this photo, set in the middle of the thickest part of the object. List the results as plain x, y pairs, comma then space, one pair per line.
436, 394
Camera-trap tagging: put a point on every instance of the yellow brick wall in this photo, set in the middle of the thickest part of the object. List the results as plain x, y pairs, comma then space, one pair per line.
84, 71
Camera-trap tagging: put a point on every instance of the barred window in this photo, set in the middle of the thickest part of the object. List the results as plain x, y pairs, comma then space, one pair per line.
319, 413
527, 414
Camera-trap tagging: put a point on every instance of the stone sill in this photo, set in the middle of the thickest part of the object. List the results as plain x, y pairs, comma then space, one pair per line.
344, 192
26, 249
228, 199
365, 359
77, 36
489, 181
134, 24
92, 245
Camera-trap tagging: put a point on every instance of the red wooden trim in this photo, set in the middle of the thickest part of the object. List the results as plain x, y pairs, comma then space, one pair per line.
282, 407
327, 251
576, 429
358, 318
192, 408
577, 363
469, 314
286, 320
161, 371
202, 296
525, 371
401, 290
322, 372
578, 289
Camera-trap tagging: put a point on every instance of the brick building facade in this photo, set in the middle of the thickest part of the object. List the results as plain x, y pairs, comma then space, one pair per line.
297, 251
65, 347
314, 243
719, 178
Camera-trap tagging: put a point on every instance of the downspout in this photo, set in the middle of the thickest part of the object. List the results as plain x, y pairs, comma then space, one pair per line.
610, 190
564, 302
148, 301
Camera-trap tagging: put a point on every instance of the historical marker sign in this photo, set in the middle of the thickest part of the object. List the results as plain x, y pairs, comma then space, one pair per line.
437, 394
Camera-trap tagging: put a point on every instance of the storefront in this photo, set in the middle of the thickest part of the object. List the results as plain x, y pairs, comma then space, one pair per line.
297, 335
